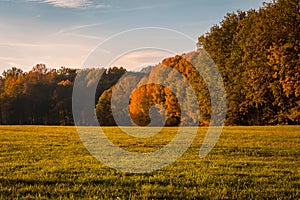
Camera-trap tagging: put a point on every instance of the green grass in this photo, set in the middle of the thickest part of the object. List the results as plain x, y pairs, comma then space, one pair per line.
247, 163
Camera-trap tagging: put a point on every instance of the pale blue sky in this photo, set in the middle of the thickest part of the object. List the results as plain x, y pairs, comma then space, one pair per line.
64, 32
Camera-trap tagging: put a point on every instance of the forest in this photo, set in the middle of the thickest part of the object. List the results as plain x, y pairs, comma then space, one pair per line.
256, 52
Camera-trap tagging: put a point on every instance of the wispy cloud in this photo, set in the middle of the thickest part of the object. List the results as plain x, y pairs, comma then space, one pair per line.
91, 37
19, 45
139, 59
75, 31
53, 54
134, 9
78, 27
72, 3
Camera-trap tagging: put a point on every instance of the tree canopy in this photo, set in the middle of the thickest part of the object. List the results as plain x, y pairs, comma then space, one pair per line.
256, 52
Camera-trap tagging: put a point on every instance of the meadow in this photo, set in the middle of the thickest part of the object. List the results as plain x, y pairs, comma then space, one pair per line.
42, 162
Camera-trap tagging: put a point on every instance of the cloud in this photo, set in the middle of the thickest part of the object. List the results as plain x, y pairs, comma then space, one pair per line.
72, 3
75, 31
136, 60
52, 54
78, 27
19, 45
91, 37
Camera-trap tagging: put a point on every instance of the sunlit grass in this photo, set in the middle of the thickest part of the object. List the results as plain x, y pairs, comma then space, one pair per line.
247, 163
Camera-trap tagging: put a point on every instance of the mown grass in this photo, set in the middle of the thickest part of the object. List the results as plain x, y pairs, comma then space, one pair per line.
247, 163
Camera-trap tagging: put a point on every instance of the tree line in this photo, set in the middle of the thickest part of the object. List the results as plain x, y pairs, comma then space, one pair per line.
43, 96
256, 53
40, 96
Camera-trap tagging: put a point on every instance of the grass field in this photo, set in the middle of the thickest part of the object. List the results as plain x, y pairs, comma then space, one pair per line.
247, 163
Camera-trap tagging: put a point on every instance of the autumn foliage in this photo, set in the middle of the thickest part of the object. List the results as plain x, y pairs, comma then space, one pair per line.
256, 52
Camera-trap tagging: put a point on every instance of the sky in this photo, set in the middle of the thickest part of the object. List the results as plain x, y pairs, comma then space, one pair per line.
128, 33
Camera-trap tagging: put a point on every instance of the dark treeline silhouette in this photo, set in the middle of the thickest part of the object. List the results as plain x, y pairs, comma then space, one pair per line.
43, 96
256, 52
